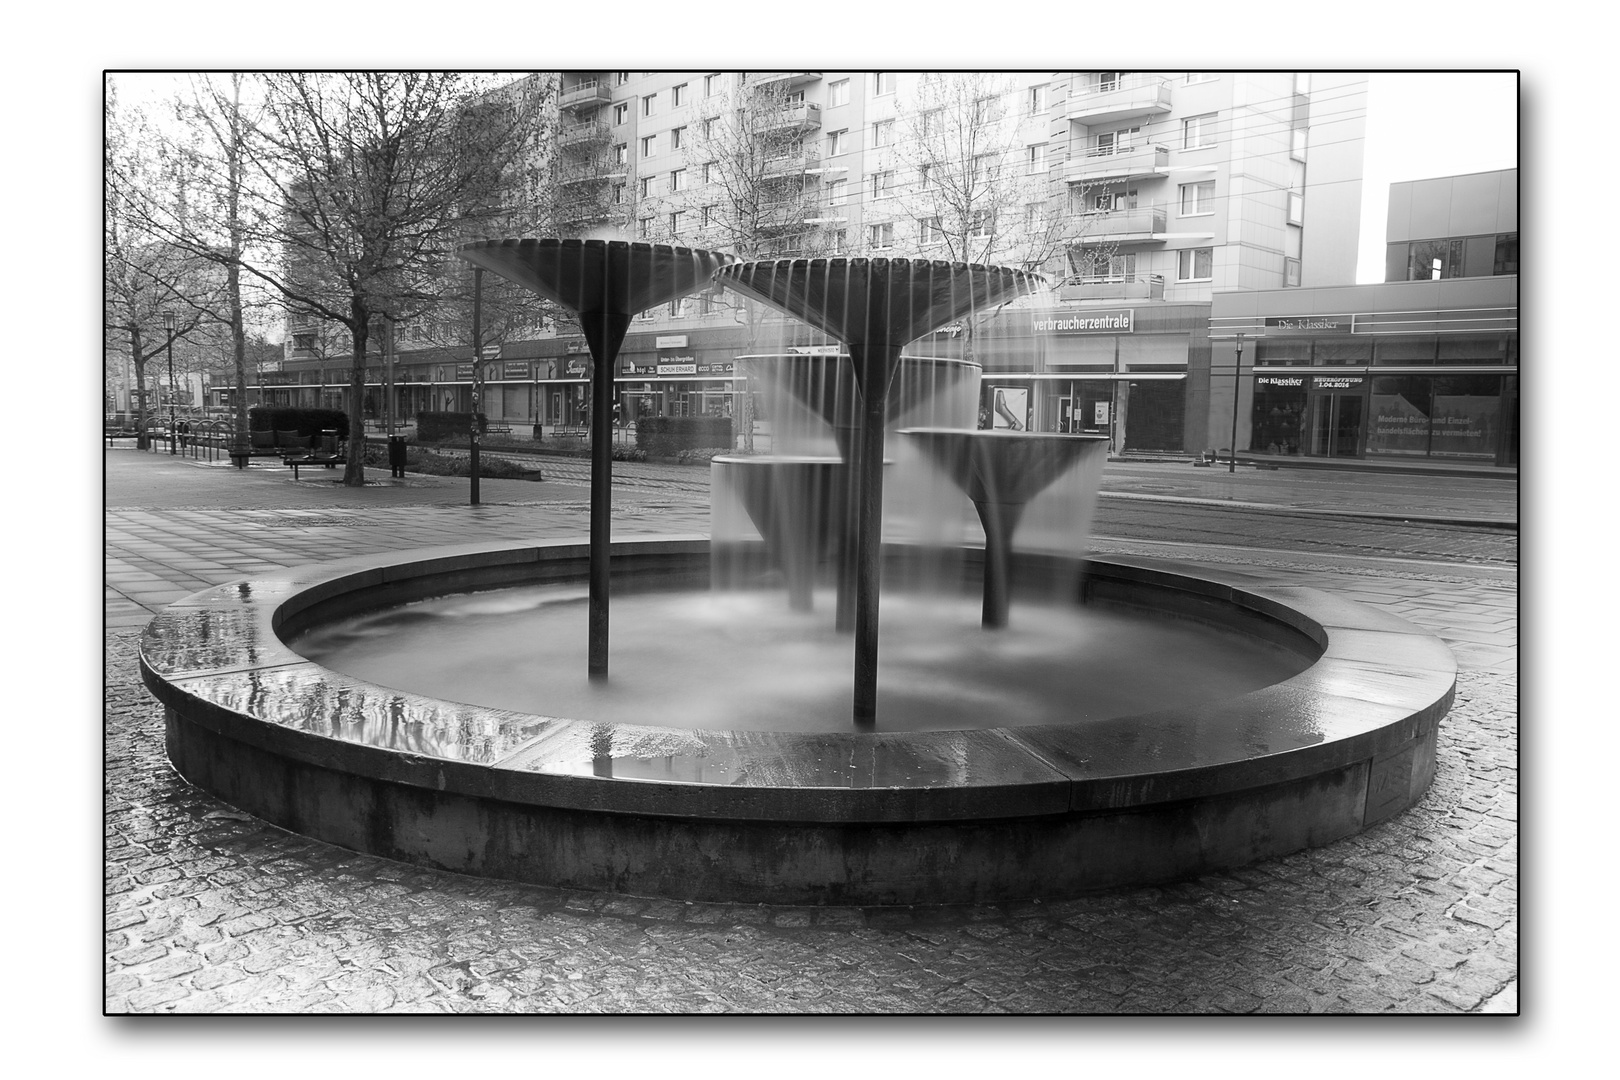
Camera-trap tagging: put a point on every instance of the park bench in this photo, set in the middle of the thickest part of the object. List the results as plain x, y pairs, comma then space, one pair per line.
498, 429
304, 450
576, 431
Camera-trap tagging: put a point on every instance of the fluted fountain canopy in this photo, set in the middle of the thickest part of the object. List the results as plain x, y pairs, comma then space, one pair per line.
1009, 467
595, 277
877, 302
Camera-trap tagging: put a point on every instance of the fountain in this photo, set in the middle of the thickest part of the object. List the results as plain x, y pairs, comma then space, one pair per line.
605, 284
975, 808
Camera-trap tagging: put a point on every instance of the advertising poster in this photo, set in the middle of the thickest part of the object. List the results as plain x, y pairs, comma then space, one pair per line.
1010, 411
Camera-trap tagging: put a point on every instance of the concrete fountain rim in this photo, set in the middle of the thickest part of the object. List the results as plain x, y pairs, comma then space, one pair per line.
217, 660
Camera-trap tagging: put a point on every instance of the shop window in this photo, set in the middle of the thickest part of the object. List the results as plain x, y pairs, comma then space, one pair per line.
1471, 350
1274, 351
1329, 351
1277, 422
1404, 351
1467, 410
1401, 406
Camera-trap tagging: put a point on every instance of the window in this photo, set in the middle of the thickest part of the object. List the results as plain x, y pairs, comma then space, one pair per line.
840, 241
1198, 131
1198, 198
982, 224
677, 96
1035, 159
924, 176
646, 186
677, 307
1291, 272
1034, 215
883, 133
677, 222
708, 216
1103, 202
621, 113
1117, 142
1507, 254
677, 138
837, 192
1108, 80
643, 227
931, 232
1100, 266
1037, 100
1431, 260
618, 193
881, 183
623, 77
880, 236
709, 171
708, 128
1194, 77
648, 145
621, 154
932, 121
648, 104
1302, 82
838, 141
711, 85
838, 93
1296, 208
677, 180
883, 82
1195, 264
1296, 147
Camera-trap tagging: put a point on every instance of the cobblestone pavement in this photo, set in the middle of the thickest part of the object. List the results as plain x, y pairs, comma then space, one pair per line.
209, 910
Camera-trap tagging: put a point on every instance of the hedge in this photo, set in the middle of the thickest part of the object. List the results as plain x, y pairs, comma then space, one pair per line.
667, 436
304, 421
438, 426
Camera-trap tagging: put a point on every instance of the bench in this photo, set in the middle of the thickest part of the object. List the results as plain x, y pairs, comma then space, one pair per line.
578, 431
498, 429
328, 460
121, 433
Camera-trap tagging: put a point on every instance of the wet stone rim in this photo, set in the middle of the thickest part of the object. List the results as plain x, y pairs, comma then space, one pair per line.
1347, 742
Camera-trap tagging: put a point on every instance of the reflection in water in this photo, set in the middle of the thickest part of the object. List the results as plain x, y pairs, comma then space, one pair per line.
742, 661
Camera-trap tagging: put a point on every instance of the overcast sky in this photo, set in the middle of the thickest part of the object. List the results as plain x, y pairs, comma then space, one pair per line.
1419, 126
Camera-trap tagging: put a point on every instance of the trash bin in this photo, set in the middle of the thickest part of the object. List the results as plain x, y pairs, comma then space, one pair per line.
396, 455
329, 441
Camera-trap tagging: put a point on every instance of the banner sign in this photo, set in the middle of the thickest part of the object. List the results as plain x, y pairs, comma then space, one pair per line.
1319, 324
464, 371
1118, 321
670, 341
1339, 382
515, 369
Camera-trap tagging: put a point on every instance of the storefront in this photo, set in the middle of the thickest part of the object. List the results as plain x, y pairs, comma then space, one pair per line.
1402, 371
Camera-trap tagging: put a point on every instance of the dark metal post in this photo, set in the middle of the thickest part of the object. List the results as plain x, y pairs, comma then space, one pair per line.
604, 333
168, 325
1237, 374
868, 480
478, 370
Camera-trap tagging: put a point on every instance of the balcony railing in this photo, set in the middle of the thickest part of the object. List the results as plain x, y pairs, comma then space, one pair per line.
1111, 162
758, 79
1134, 287
1136, 223
585, 95
799, 116
590, 133
592, 171
796, 163
1119, 99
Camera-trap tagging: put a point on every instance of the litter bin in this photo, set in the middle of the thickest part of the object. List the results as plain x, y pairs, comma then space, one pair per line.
396, 455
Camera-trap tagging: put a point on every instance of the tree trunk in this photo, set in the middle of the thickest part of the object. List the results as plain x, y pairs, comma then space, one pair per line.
141, 440
354, 469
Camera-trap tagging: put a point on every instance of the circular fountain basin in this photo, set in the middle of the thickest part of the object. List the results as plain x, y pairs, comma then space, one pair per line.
731, 814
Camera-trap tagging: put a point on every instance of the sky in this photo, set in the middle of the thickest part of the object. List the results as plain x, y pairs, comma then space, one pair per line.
1426, 125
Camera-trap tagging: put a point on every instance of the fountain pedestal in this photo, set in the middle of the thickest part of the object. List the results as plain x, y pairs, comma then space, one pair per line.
605, 284
1001, 471
875, 307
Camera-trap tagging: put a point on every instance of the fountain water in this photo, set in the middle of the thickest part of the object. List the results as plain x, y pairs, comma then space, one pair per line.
976, 812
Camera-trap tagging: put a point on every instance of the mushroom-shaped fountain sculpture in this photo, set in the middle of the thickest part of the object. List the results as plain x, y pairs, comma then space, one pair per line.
1001, 471
605, 283
875, 307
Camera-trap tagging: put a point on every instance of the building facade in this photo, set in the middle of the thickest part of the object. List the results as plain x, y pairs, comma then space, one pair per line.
1421, 368
1140, 195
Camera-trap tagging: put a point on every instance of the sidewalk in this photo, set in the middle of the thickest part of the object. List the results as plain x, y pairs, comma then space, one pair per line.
210, 910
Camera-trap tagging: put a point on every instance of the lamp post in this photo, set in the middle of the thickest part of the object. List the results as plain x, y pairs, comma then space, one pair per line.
1237, 374
168, 326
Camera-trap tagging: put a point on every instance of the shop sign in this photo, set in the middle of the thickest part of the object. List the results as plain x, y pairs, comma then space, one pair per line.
719, 367
578, 346
631, 368
490, 352
678, 365
1335, 383
1280, 380
1328, 324
1119, 321
670, 341
815, 350
576, 367
464, 371
515, 369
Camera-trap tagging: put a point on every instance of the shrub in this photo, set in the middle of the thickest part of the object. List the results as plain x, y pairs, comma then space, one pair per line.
667, 436
439, 426
307, 422
700, 455
628, 453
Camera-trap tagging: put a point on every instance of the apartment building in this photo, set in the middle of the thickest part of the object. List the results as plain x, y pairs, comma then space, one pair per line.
1138, 194
1423, 368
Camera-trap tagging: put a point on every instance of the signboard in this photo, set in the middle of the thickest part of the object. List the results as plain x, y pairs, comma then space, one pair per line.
719, 367
815, 350
576, 367
578, 346
1294, 381
515, 369
681, 366
1101, 414
1010, 410
1115, 321
1336, 382
670, 341
490, 352
464, 371
1320, 324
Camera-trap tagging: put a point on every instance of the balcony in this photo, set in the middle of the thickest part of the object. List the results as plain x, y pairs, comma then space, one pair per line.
588, 94
799, 116
1142, 287
588, 134
582, 210
593, 171
757, 80
777, 215
1098, 163
1119, 99
1136, 225
794, 164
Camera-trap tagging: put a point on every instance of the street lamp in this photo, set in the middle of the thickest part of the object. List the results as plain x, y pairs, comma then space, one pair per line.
1237, 375
168, 326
